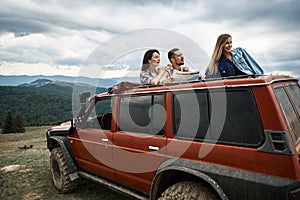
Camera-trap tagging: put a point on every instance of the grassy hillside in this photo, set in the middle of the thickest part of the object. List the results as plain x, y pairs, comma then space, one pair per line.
38, 103
25, 173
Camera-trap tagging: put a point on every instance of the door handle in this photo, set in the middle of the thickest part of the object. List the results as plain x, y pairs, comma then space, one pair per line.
104, 139
153, 148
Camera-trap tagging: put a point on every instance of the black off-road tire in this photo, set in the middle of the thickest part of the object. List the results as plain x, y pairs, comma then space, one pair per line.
59, 171
189, 191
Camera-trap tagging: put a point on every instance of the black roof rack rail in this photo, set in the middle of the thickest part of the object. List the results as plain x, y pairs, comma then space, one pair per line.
233, 77
124, 85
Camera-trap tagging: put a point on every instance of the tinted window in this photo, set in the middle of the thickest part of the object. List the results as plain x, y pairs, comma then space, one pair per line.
142, 114
288, 111
191, 118
295, 95
242, 123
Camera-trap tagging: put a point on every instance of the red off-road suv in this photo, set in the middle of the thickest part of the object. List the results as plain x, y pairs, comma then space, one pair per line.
233, 138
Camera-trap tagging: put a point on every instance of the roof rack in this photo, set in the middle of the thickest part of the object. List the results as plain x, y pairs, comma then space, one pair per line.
233, 77
121, 86
125, 85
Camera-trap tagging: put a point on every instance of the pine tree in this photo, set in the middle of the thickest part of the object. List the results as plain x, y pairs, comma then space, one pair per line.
8, 123
13, 125
19, 127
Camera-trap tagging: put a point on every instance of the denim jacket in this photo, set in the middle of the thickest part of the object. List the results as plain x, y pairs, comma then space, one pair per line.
241, 61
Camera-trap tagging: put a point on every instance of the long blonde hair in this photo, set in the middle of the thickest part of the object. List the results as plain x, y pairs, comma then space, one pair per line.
213, 64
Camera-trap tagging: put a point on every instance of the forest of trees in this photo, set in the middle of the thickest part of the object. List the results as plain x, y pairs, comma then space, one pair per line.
13, 124
36, 106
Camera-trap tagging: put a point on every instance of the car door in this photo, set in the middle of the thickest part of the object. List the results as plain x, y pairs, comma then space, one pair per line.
92, 142
139, 143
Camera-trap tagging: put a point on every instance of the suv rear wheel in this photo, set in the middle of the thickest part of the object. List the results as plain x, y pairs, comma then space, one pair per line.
188, 191
59, 171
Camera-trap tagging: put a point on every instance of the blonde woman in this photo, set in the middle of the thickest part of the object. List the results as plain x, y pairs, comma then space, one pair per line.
227, 62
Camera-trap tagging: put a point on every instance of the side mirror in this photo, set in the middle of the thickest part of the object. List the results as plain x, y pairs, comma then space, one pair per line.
73, 125
84, 96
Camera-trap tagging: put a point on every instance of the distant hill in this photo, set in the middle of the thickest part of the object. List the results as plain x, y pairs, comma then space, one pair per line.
40, 102
19, 80
38, 82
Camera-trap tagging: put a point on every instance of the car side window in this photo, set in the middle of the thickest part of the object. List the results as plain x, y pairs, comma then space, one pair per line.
191, 118
242, 125
142, 114
100, 117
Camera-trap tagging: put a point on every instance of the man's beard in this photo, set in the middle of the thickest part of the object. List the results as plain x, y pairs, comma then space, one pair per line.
180, 63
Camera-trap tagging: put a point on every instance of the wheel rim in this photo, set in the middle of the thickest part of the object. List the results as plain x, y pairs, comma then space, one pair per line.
56, 172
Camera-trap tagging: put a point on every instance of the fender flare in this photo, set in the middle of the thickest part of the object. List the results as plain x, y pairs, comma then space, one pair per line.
196, 173
63, 143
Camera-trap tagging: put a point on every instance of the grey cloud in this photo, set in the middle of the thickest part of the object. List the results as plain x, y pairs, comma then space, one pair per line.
46, 16
29, 54
286, 56
26, 19
69, 61
18, 25
60, 18
21, 34
282, 68
42, 18
285, 13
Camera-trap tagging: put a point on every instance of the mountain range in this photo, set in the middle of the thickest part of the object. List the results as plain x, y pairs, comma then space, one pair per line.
101, 82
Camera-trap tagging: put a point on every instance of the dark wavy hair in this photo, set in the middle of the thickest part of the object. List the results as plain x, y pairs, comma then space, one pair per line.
148, 56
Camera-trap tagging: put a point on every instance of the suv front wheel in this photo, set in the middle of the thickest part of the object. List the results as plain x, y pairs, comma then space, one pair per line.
187, 191
59, 171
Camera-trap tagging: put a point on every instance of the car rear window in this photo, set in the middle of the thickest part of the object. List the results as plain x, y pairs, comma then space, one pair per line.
290, 111
294, 92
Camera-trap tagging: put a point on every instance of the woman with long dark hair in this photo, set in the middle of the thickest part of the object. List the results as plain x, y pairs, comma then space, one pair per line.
150, 75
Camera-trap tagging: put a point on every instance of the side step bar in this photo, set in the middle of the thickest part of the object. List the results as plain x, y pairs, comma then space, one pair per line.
112, 185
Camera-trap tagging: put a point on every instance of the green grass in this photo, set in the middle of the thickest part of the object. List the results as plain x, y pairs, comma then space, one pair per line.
31, 179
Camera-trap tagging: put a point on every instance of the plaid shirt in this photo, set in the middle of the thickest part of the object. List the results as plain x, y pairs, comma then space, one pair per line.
146, 76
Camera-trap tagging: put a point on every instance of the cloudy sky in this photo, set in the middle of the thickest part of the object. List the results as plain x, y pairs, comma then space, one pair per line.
55, 37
